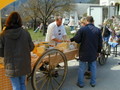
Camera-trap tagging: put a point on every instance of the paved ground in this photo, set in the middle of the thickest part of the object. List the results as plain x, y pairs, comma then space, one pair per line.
108, 76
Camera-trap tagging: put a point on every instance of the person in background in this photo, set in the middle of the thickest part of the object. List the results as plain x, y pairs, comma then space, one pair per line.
15, 46
113, 19
105, 32
39, 28
83, 21
113, 40
90, 39
72, 23
56, 32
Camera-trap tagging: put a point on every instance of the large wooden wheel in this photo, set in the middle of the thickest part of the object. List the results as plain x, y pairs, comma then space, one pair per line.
50, 71
103, 58
107, 48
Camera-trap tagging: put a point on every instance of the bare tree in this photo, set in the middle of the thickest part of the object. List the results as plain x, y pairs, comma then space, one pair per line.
43, 9
5, 12
29, 12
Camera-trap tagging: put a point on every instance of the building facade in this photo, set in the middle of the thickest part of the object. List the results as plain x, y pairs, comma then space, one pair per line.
81, 8
115, 3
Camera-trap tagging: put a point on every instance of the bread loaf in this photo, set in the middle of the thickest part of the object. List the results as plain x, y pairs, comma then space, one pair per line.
62, 46
40, 50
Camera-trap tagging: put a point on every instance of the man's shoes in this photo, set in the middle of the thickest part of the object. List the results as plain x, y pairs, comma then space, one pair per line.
92, 85
81, 86
118, 63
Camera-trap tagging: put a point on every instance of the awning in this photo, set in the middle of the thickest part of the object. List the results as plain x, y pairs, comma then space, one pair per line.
4, 3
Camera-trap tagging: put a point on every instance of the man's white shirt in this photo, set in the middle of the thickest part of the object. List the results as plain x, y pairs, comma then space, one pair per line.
53, 32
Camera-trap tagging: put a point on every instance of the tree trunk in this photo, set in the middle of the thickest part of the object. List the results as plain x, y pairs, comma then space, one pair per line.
35, 24
44, 28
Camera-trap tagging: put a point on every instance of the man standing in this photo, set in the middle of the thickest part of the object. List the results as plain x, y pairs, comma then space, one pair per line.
56, 32
91, 43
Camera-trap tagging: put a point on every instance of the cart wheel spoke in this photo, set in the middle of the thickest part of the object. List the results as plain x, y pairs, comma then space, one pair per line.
49, 58
41, 72
42, 85
48, 83
41, 78
56, 55
51, 84
61, 75
56, 81
49, 62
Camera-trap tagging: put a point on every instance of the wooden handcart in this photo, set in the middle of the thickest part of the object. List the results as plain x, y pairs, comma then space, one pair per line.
50, 76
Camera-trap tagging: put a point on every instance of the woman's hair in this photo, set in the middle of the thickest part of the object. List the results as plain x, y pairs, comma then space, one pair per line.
83, 20
14, 19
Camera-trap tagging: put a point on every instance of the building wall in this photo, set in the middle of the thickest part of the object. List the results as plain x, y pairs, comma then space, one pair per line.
82, 8
104, 2
109, 2
115, 3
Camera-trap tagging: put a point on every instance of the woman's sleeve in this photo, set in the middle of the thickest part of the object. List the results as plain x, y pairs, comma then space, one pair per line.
31, 44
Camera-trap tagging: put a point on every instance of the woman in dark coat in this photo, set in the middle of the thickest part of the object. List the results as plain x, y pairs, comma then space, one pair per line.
15, 46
